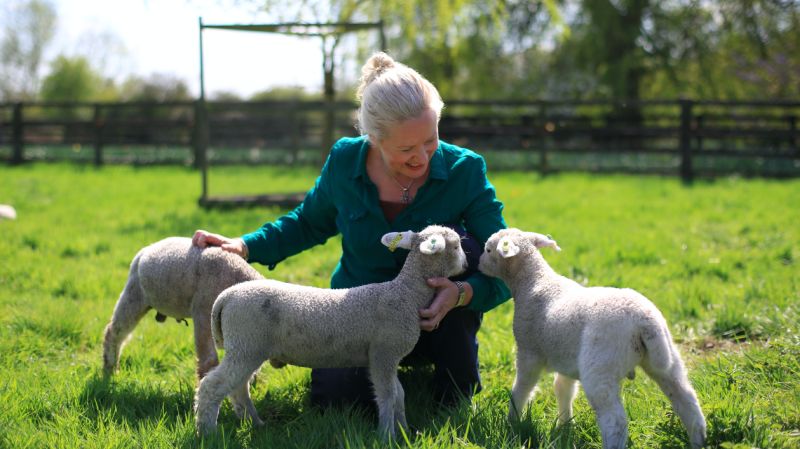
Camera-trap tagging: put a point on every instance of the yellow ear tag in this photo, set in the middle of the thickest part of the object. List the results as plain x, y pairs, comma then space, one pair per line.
505, 246
433, 244
395, 241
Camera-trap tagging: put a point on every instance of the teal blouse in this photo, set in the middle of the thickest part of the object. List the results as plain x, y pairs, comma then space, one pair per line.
344, 200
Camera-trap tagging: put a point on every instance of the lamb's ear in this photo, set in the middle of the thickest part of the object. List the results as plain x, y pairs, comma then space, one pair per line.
507, 248
433, 244
544, 241
394, 240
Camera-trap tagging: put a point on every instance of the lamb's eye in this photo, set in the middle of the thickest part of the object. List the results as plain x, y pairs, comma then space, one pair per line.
488, 250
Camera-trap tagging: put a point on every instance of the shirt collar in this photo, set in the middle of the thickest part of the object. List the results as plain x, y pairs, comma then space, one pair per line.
438, 168
360, 170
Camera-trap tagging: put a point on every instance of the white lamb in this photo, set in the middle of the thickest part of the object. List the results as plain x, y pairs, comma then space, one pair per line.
597, 335
178, 280
7, 212
374, 325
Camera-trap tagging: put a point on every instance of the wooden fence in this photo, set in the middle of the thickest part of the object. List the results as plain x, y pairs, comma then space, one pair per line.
679, 137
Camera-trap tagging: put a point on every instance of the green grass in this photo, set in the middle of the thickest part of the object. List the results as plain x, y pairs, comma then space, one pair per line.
719, 258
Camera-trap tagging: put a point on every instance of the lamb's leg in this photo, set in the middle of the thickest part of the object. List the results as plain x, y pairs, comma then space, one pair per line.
203, 340
676, 386
218, 383
129, 310
604, 397
400, 404
243, 404
383, 374
565, 388
528, 370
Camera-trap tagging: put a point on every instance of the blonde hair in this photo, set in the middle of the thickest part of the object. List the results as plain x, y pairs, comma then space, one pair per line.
391, 92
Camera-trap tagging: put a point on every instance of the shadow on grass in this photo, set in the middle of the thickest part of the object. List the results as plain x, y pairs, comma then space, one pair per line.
158, 409
134, 403
290, 421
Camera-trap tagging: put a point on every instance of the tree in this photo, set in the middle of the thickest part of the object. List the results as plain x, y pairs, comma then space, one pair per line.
733, 49
761, 46
611, 44
156, 87
73, 79
556, 49
28, 27
285, 93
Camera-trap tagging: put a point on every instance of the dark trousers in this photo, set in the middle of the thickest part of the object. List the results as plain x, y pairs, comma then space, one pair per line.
452, 349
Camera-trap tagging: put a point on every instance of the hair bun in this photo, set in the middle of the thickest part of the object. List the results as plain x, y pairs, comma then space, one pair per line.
373, 68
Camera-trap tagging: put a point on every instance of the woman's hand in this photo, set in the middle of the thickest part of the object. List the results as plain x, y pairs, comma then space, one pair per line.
444, 301
203, 239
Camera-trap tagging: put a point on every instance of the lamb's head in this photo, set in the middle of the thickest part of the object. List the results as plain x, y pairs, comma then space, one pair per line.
434, 252
507, 249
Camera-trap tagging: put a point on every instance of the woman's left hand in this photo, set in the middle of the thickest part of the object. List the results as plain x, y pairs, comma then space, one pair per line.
444, 301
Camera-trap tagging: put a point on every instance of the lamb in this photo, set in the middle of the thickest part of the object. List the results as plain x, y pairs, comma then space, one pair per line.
374, 325
7, 212
595, 335
178, 280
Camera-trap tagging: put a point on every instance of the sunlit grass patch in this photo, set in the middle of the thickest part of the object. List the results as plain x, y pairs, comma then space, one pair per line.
719, 258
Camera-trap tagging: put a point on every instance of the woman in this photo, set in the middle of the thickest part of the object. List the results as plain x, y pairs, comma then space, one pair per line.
397, 176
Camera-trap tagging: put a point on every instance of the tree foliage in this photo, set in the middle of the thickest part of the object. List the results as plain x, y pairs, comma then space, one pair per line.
583, 48
73, 79
156, 87
27, 28
471, 49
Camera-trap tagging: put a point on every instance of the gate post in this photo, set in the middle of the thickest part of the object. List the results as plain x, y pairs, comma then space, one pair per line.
98, 135
17, 135
687, 174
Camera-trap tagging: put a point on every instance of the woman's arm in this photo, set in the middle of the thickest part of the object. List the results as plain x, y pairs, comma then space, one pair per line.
309, 224
483, 217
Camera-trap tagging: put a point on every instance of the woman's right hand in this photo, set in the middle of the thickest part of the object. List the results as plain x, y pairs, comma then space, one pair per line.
203, 239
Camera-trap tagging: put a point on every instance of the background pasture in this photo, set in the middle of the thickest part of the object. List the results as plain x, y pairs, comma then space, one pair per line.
719, 258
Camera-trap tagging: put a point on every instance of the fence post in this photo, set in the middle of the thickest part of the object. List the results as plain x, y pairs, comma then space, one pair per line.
294, 136
201, 145
700, 123
17, 136
544, 125
686, 140
98, 136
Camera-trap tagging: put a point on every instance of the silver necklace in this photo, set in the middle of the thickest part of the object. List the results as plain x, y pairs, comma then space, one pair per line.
406, 198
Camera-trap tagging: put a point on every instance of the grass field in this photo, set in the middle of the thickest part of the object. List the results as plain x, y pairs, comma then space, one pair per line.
719, 258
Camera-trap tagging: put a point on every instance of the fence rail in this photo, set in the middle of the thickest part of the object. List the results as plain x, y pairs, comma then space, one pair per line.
683, 137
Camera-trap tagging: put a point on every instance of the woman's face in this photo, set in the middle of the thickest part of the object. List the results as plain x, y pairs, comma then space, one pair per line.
408, 146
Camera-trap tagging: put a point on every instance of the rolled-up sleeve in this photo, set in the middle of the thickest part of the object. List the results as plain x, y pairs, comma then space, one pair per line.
483, 217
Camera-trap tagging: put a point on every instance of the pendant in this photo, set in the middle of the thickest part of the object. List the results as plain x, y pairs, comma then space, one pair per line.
406, 196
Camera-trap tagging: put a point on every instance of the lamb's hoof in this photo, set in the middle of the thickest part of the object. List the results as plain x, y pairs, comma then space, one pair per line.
110, 369
204, 430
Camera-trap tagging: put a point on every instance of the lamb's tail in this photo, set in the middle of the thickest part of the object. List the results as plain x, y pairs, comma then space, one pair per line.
216, 320
658, 344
